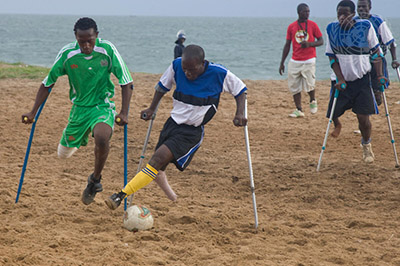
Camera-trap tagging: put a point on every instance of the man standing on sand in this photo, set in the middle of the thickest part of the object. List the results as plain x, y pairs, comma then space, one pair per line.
305, 36
199, 84
351, 46
88, 63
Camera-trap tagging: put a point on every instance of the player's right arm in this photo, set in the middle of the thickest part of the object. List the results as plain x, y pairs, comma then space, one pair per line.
285, 52
340, 82
165, 84
56, 71
41, 96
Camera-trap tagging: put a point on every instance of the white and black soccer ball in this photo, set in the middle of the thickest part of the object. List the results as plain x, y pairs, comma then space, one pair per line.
138, 218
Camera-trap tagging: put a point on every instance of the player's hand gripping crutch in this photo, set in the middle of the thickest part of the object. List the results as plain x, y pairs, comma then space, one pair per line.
146, 141
382, 89
246, 135
28, 148
343, 86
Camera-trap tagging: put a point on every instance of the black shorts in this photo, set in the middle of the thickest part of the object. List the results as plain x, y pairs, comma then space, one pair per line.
358, 96
182, 140
374, 78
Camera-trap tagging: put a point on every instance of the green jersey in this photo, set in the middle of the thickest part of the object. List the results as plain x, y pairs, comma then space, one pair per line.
89, 75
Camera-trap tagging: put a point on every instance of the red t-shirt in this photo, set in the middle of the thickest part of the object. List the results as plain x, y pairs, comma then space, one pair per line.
305, 31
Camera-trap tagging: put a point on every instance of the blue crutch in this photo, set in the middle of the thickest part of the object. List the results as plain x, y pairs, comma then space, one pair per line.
28, 148
125, 156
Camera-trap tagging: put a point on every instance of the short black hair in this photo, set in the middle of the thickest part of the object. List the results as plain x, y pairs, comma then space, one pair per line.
194, 51
347, 3
85, 24
300, 7
370, 4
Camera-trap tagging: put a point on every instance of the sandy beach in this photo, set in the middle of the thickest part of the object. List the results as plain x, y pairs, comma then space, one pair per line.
346, 214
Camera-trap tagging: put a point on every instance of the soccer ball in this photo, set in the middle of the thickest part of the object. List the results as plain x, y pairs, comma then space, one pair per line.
138, 218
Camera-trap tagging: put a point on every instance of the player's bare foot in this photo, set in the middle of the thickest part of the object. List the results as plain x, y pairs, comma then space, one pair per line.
336, 132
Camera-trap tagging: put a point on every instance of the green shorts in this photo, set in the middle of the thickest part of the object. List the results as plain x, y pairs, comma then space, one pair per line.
82, 120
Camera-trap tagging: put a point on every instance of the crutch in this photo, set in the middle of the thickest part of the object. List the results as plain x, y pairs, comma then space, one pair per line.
125, 159
382, 89
398, 73
343, 86
246, 135
146, 141
28, 148
125, 156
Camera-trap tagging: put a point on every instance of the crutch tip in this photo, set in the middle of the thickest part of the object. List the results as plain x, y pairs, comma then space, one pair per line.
397, 166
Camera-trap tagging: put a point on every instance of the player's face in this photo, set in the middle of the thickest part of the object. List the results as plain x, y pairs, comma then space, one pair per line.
363, 9
304, 13
86, 40
345, 16
192, 67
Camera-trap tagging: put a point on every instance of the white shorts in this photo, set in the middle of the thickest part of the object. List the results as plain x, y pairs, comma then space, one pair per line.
301, 76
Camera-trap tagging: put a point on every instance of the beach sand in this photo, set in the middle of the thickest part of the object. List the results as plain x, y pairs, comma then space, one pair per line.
346, 214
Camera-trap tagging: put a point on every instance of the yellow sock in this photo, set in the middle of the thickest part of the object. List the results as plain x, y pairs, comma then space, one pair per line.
141, 179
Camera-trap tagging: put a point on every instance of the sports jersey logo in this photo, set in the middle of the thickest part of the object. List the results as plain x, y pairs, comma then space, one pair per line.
71, 138
301, 36
74, 66
104, 62
351, 41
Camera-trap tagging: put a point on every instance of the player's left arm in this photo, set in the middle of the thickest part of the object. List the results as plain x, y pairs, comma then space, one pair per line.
387, 38
240, 119
376, 58
376, 54
395, 62
238, 89
126, 92
122, 73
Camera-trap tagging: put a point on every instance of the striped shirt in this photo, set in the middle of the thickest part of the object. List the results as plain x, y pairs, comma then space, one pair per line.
382, 30
196, 102
352, 47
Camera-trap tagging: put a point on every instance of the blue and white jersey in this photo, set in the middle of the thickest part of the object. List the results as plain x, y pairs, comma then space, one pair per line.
195, 102
382, 30
352, 47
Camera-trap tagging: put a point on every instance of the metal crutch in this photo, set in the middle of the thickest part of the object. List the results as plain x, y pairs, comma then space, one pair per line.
246, 135
388, 119
343, 86
146, 141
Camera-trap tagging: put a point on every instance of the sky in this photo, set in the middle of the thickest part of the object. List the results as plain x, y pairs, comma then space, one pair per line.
215, 8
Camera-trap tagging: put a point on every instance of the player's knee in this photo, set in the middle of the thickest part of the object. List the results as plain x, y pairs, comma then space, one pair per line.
65, 152
102, 142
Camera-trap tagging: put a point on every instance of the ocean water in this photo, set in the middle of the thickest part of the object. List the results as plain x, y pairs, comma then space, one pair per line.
250, 47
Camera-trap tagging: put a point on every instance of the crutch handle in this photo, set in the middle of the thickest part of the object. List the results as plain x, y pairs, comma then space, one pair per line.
144, 115
118, 119
343, 86
26, 119
383, 81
